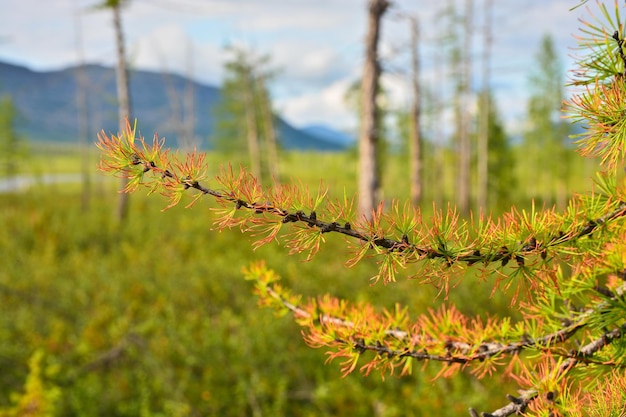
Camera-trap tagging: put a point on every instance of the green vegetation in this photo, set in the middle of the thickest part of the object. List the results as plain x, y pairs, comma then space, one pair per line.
546, 131
13, 148
155, 319
245, 118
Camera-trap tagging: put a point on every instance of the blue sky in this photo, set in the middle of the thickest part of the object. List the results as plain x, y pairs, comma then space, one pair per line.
316, 44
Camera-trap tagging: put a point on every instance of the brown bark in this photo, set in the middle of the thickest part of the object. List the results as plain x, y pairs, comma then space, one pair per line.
270, 132
123, 95
251, 130
369, 181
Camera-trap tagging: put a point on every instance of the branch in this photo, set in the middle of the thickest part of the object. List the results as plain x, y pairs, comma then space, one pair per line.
503, 255
117, 152
106, 359
620, 43
518, 405
461, 353
582, 355
483, 351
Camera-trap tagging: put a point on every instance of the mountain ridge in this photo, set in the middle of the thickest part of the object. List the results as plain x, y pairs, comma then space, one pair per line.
46, 104
323, 131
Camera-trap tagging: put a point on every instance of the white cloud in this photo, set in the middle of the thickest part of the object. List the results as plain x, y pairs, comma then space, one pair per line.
326, 106
398, 90
310, 62
294, 15
169, 48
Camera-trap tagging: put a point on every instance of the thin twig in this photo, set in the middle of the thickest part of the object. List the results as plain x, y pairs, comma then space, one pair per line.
502, 255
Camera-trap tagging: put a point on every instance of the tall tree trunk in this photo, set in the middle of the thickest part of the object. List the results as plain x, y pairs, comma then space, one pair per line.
483, 133
251, 130
123, 96
464, 179
270, 132
415, 144
369, 181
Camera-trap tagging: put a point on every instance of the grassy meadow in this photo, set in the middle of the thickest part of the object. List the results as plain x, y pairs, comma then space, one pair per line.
153, 317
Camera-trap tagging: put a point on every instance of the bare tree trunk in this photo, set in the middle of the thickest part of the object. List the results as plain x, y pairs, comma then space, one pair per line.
464, 180
123, 96
415, 144
270, 131
83, 115
251, 131
483, 134
369, 181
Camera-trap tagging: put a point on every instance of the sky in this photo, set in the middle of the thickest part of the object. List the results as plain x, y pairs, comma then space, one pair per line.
316, 45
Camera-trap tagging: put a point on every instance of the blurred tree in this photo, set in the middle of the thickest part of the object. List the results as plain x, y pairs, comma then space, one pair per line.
456, 41
415, 149
245, 120
434, 107
353, 100
500, 160
543, 149
484, 122
463, 112
267, 121
13, 147
369, 178
123, 91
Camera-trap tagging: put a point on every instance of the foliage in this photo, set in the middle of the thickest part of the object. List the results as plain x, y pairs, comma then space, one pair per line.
13, 148
546, 134
153, 318
565, 270
38, 399
245, 118
111, 4
500, 160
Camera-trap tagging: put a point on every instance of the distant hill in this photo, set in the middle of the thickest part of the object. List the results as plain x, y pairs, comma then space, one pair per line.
332, 135
46, 102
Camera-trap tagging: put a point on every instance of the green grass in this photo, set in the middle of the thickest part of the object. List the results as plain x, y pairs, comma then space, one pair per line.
154, 318
337, 171
170, 291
